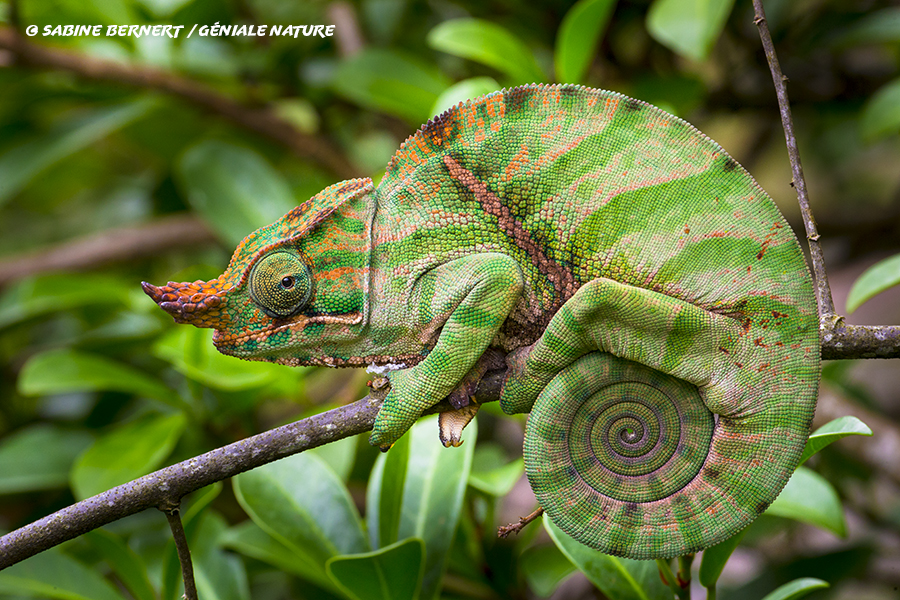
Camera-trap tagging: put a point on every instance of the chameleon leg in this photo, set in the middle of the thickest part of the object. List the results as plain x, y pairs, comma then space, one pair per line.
476, 293
659, 331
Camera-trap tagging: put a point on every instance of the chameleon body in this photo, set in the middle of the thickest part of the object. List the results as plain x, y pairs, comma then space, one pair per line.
655, 308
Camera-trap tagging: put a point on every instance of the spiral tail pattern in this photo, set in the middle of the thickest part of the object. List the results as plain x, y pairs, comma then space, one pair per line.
611, 450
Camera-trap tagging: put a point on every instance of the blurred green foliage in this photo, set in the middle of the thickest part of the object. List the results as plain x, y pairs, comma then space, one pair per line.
99, 387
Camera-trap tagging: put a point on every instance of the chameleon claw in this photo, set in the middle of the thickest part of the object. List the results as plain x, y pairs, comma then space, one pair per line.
452, 423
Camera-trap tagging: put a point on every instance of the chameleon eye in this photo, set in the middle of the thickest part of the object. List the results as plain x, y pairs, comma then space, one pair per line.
280, 283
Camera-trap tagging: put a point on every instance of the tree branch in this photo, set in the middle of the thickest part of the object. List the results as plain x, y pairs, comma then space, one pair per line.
262, 121
113, 245
173, 516
839, 340
823, 289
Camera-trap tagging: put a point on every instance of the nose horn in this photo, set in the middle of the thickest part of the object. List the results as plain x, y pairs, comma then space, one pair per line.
197, 303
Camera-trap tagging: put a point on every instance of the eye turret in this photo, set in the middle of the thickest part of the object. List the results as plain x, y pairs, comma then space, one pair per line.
280, 283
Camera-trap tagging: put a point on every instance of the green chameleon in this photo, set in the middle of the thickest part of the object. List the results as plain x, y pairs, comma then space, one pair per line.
655, 309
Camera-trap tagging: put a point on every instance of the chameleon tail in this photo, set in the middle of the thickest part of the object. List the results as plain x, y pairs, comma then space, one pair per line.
672, 437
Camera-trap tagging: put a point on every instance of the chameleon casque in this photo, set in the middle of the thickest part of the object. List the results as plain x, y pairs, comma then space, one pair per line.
655, 308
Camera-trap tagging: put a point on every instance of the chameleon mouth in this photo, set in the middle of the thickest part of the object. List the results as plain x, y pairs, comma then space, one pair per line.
223, 339
197, 303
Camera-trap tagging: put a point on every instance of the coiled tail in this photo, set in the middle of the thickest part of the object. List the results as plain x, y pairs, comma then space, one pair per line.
658, 429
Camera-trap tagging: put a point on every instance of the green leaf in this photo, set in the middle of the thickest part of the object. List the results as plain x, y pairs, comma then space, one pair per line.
66, 370
715, 557
578, 37
250, 540
390, 82
882, 275
52, 574
384, 495
809, 498
434, 485
22, 163
391, 573
124, 562
303, 504
545, 567
59, 292
832, 432
688, 27
881, 115
127, 452
489, 44
797, 589
461, 91
190, 350
233, 188
39, 458
618, 578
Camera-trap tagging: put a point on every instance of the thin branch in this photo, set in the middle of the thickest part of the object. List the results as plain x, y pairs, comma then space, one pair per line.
823, 289
261, 120
169, 485
110, 246
839, 340
173, 515
504, 530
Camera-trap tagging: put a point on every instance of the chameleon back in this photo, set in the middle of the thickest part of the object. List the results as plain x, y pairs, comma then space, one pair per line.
579, 185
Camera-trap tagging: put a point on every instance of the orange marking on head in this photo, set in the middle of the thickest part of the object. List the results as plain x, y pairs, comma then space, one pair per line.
335, 274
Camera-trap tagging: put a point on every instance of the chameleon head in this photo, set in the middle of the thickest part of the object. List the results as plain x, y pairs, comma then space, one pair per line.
293, 290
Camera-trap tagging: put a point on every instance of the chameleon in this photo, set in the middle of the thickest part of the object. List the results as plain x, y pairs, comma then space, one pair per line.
652, 306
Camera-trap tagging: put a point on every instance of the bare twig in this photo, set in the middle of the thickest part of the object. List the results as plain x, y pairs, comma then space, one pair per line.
823, 290
504, 530
173, 515
169, 485
839, 340
261, 120
114, 245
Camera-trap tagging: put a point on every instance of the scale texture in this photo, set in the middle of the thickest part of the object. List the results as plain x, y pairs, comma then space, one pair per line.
655, 308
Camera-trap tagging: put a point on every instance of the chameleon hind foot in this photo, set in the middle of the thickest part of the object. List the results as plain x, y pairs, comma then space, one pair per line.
452, 422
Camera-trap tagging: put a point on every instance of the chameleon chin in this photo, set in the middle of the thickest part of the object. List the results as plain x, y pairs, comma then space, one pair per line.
654, 307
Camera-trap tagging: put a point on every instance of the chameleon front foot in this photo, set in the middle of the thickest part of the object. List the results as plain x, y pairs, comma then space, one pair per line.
452, 423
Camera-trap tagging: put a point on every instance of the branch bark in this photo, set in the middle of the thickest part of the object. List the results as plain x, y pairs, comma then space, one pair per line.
260, 120
114, 245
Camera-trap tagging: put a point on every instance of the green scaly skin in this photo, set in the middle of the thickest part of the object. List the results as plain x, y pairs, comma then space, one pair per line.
655, 307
